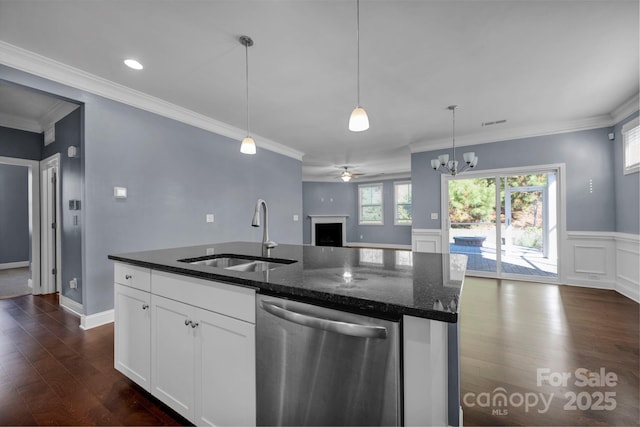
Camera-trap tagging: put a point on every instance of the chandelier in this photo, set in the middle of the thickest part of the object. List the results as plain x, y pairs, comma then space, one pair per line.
443, 165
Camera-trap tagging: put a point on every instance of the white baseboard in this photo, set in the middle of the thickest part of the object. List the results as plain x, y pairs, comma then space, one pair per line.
71, 306
378, 245
19, 264
97, 319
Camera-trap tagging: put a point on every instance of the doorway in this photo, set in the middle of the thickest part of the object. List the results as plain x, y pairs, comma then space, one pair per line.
506, 222
33, 167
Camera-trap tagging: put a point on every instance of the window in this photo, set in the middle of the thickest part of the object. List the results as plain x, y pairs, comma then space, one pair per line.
631, 146
370, 204
402, 203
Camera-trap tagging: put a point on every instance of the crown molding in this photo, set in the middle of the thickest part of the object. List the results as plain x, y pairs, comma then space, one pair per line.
626, 109
59, 72
20, 123
515, 133
58, 111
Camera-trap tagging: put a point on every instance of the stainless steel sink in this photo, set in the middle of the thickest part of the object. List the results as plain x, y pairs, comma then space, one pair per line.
238, 262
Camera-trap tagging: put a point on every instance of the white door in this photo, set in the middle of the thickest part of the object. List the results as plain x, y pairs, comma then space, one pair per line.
225, 371
132, 344
172, 354
50, 225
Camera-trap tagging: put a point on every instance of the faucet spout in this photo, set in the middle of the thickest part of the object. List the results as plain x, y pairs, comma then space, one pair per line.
256, 223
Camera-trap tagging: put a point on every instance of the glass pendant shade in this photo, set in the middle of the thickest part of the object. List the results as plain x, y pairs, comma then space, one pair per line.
248, 146
358, 120
468, 157
444, 159
435, 163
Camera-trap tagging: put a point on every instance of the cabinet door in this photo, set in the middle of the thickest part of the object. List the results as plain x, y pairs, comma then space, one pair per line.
172, 354
132, 334
225, 371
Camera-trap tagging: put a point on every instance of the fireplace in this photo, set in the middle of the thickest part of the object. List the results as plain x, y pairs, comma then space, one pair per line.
335, 234
329, 234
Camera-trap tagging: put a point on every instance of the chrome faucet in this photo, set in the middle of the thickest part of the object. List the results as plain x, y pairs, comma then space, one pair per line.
256, 223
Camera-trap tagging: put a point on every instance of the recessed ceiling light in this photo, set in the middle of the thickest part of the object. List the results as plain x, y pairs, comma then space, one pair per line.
132, 63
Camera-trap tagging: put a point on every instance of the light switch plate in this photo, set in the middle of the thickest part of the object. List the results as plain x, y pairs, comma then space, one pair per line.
120, 192
295, 217
434, 215
210, 218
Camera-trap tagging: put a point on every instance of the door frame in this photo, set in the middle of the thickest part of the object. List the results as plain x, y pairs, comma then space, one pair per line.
51, 162
34, 211
561, 199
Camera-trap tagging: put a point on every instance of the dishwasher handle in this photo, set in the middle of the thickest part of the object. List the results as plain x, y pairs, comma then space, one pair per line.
344, 328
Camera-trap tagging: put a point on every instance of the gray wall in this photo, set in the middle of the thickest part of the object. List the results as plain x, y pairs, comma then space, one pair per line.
328, 198
587, 154
68, 132
627, 188
174, 174
14, 214
20, 144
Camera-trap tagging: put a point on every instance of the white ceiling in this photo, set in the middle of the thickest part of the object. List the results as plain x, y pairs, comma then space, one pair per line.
544, 66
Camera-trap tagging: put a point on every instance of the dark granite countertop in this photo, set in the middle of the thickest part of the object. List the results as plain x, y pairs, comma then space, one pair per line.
377, 282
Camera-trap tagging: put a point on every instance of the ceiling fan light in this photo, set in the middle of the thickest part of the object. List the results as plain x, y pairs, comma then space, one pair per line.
345, 177
248, 146
358, 120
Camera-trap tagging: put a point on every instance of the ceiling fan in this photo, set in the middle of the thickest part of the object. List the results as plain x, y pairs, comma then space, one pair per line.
346, 175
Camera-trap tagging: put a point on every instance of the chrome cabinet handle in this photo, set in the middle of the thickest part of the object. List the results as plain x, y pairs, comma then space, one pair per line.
128, 276
194, 324
187, 322
145, 306
344, 328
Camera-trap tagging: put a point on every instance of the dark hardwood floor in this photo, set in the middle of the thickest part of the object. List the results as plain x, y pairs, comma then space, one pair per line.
509, 330
54, 373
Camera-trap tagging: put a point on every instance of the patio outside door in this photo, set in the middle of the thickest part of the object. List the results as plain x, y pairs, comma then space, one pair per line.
506, 224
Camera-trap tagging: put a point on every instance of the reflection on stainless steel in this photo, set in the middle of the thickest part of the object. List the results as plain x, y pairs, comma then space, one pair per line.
319, 366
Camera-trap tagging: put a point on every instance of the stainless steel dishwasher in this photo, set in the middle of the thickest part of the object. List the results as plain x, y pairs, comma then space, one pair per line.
318, 366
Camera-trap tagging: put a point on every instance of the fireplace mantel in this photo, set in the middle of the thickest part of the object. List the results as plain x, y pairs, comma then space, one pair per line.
328, 219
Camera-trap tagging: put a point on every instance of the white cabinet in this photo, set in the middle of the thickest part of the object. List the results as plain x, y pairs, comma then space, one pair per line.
190, 342
132, 334
203, 363
225, 371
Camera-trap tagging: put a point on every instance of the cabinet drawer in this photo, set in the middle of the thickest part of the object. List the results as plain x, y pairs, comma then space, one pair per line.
135, 277
233, 301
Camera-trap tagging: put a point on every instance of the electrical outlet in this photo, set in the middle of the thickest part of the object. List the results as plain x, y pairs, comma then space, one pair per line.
210, 218
434, 215
295, 217
211, 251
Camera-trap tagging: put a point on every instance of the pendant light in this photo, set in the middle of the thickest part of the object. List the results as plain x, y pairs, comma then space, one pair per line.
443, 165
248, 145
358, 120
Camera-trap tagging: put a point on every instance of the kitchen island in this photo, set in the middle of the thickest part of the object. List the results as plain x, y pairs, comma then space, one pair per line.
421, 291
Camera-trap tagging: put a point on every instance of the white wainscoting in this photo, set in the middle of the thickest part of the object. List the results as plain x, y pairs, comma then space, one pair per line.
426, 240
604, 260
628, 265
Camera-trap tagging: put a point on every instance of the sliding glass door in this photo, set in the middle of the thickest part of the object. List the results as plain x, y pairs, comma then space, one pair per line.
506, 224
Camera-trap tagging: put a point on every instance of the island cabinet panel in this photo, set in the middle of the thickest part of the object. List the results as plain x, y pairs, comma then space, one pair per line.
425, 373
172, 354
225, 371
132, 344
